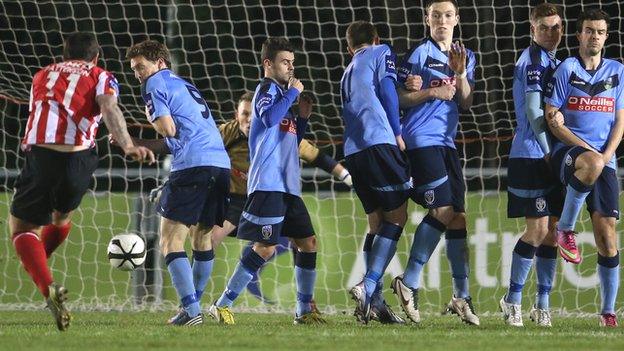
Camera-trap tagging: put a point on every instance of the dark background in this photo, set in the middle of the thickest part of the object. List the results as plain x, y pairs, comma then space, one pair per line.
216, 45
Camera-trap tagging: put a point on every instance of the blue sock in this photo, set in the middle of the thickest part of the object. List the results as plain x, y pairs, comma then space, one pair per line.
182, 279
384, 246
576, 193
426, 239
521, 262
305, 277
609, 273
545, 266
244, 272
202, 269
458, 255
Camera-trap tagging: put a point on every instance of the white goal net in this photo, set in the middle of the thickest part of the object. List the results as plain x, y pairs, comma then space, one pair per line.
216, 45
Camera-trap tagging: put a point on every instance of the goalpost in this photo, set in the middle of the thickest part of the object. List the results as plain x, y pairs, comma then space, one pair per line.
216, 45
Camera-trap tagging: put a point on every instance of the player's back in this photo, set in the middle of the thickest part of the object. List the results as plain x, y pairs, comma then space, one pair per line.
366, 122
433, 122
63, 110
197, 141
588, 99
532, 72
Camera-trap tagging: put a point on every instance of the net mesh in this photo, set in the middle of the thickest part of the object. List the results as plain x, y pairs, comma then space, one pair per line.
216, 45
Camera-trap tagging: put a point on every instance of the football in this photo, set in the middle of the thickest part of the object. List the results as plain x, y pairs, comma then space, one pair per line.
126, 251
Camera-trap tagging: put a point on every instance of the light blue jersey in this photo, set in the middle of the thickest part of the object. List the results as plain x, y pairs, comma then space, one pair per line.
273, 141
533, 71
588, 100
197, 141
366, 121
434, 122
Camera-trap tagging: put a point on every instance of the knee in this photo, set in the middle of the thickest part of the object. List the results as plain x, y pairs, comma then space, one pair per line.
307, 244
444, 214
592, 162
264, 251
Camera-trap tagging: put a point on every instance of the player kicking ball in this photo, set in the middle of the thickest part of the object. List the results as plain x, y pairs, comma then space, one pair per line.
274, 207
67, 101
196, 196
587, 93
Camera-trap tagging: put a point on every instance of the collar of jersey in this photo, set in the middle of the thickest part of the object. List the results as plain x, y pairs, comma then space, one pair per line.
155, 73
590, 72
274, 81
551, 54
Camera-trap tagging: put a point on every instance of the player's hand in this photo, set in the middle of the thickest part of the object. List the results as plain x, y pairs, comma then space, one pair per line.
295, 83
154, 194
112, 140
444, 92
413, 82
306, 103
457, 58
400, 142
141, 154
554, 119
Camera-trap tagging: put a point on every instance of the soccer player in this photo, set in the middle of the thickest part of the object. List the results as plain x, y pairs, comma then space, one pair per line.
274, 207
235, 135
585, 91
67, 101
196, 195
429, 128
372, 147
532, 191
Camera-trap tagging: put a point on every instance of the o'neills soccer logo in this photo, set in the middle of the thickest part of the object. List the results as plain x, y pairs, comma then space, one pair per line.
434, 83
591, 104
288, 125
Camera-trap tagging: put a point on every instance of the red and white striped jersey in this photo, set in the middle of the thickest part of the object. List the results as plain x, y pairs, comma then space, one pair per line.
62, 108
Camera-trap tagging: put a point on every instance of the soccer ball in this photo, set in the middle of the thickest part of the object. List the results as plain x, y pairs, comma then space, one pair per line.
126, 251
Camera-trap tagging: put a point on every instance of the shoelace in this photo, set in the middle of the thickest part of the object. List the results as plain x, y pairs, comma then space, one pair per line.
569, 240
515, 313
610, 319
544, 318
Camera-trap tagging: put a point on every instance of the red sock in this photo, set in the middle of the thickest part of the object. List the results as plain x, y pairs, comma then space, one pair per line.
32, 254
53, 236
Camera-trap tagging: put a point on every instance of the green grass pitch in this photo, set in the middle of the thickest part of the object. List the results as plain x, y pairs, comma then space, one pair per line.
82, 266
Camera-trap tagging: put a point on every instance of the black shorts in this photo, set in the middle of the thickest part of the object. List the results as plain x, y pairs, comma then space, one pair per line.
438, 177
52, 180
380, 176
604, 196
237, 203
269, 215
196, 195
532, 191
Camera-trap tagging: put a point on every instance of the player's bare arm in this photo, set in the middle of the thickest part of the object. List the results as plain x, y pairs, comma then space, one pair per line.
457, 62
559, 130
615, 137
116, 124
410, 98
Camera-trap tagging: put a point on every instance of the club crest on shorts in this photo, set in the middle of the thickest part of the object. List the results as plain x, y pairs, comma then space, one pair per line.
540, 204
267, 231
429, 197
568, 160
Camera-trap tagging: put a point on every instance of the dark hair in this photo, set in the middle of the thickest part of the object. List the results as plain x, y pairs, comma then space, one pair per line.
360, 33
431, 2
591, 15
80, 46
247, 96
152, 50
545, 10
272, 46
